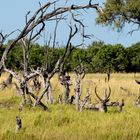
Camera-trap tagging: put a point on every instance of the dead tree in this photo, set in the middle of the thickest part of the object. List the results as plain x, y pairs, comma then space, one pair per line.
38, 19
20, 93
46, 79
79, 75
65, 81
23, 80
63, 76
26, 46
23, 90
47, 83
46, 76
37, 22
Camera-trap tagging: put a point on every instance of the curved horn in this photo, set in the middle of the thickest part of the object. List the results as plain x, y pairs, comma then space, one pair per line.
109, 92
137, 81
97, 94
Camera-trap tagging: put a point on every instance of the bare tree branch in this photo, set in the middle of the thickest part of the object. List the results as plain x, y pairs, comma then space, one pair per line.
35, 21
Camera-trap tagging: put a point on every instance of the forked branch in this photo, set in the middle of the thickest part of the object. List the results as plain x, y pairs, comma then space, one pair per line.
38, 18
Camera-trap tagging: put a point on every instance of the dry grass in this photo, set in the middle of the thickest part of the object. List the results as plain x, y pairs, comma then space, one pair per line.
64, 123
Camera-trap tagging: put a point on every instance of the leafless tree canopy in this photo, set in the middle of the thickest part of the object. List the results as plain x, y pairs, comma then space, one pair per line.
39, 18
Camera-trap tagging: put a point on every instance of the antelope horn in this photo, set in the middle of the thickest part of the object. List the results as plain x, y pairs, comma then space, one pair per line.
97, 94
137, 81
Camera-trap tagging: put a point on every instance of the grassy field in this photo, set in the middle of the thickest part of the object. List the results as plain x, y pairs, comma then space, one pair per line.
62, 122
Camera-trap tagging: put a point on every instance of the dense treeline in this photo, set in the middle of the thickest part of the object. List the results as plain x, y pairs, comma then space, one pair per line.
98, 57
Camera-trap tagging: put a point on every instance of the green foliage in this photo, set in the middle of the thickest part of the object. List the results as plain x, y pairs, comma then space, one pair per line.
110, 58
15, 57
36, 56
133, 54
118, 12
53, 56
98, 57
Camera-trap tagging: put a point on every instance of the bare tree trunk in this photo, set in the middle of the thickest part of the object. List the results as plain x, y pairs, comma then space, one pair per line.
26, 44
23, 101
80, 74
49, 96
77, 94
39, 102
65, 82
28, 101
66, 93
24, 89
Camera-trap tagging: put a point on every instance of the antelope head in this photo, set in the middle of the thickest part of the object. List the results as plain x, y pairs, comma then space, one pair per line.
103, 101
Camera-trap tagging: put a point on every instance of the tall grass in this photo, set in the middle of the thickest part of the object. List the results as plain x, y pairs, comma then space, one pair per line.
62, 122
